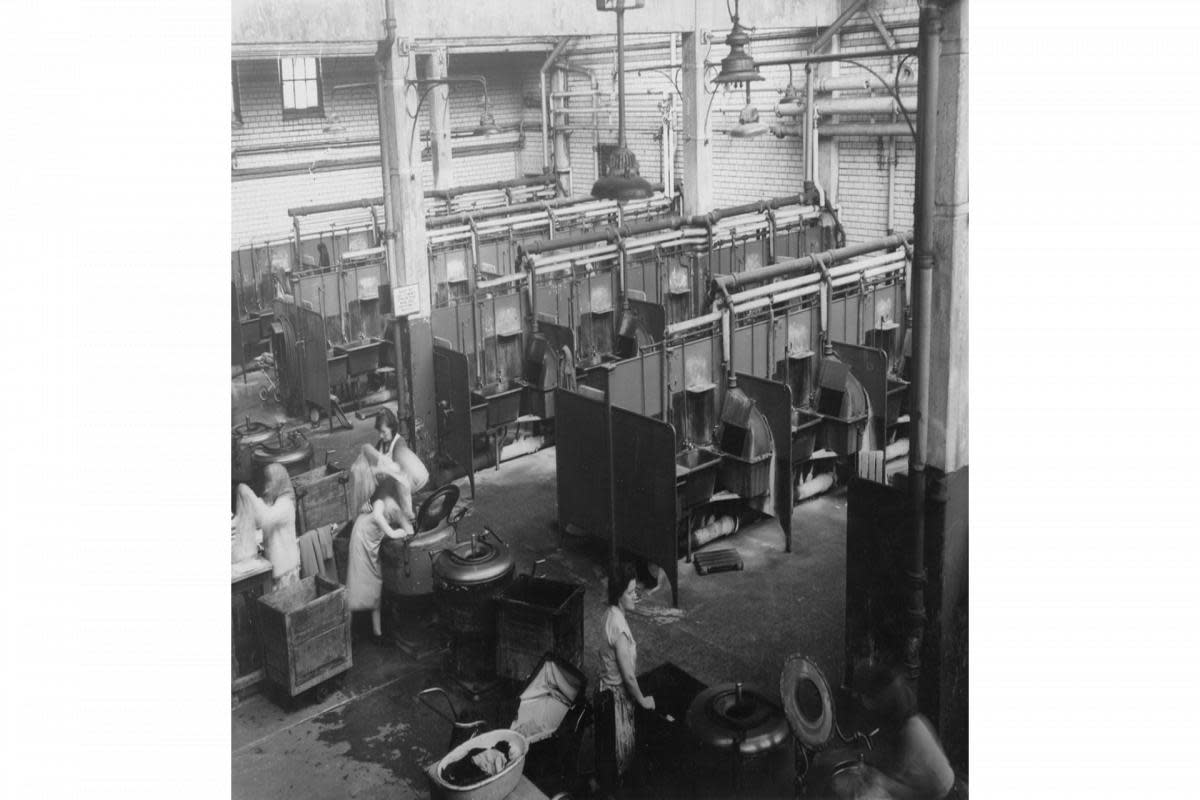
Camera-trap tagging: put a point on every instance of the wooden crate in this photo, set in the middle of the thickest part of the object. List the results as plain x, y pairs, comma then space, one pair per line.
322, 497
536, 616
305, 631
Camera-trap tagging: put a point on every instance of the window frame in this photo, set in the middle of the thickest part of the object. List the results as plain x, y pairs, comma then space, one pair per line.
317, 111
237, 93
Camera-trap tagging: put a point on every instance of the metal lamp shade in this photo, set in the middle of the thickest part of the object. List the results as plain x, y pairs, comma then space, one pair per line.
738, 67
487, 123
622, 181
748, 126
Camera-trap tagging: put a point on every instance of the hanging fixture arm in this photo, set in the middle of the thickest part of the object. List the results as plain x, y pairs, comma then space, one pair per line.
827, 57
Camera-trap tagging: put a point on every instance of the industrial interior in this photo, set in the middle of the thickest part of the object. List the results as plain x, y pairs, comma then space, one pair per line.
599, 399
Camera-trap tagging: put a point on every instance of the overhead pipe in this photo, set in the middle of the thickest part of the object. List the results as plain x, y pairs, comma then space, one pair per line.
824, 58
322, 208
849, 105
921, 309
462, 218
783, 130
849, 83
609, 234
800, 265
554, 54
544, 179
865, 129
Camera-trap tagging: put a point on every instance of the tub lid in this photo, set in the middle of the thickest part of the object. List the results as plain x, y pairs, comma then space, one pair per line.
732, 715
482, 559
801, 676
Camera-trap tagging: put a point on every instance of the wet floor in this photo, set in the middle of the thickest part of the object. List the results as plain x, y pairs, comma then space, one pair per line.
367, 736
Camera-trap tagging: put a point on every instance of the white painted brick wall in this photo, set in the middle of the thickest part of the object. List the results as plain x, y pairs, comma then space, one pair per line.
743, 170
259, 205
862, 170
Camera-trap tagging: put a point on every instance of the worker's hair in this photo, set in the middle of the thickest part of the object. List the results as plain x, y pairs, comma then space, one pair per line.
889, 693
362, 483
618, 580
386, 416
276, 483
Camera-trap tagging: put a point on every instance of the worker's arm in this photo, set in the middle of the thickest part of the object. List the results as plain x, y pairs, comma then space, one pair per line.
625, 663
404, 531
276, 515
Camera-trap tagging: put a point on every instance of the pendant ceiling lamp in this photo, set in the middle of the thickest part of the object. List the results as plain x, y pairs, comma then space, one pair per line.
622, 181
487, 123
738, 67
748, 126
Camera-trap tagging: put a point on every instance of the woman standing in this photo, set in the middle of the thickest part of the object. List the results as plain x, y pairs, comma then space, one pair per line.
392, 446
618, 693
275, 516
387, 516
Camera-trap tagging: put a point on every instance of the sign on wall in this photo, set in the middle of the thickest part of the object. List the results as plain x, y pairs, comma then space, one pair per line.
406, 300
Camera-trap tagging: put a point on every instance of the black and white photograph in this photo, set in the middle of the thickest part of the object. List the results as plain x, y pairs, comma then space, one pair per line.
599, 415
600, 377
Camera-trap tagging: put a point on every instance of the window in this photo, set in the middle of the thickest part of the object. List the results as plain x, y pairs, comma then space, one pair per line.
301, 79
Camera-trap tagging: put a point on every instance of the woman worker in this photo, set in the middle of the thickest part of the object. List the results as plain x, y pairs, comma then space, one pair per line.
275, 515
618, 690
910, 760
387, 513
392, 446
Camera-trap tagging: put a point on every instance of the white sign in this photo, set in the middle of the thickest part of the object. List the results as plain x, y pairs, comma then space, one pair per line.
406, 300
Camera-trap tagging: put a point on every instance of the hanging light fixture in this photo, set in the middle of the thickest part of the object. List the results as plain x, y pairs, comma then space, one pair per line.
623, 180
738, 67
748, 126
487, 123
791, 95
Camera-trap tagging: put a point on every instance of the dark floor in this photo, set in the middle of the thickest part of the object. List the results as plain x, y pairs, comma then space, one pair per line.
369, 737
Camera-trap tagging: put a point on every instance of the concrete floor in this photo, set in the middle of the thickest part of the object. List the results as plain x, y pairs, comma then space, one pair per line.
370, 738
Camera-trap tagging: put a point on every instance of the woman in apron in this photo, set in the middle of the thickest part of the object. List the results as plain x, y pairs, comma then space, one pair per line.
618, 693
391, 446
275, 515
384, 517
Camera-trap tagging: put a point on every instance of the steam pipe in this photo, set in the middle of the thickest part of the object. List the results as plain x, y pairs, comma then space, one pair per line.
612, 233
502, 211
821, 59
800, 265
554, 54
923, 266
848, 105
545, 179
727, 338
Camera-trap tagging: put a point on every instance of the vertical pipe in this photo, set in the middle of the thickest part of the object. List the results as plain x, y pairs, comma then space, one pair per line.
385, 148
296, 229
545, 123
809, 125
621, 76
923, 265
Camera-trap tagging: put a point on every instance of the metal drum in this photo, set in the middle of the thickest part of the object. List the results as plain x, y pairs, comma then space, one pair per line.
245, 438
407, 565
293, 452
466, 580
741, 722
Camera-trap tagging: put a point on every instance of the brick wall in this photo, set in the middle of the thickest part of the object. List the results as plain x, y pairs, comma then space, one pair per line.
862, 160
743, 170
259, 204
